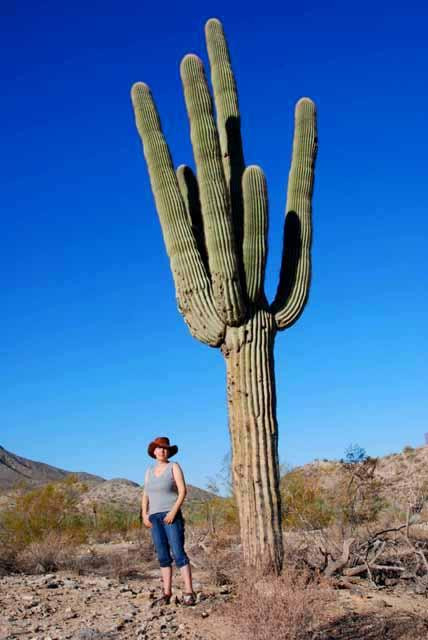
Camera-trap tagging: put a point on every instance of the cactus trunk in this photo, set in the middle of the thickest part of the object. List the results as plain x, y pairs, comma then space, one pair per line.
248, 351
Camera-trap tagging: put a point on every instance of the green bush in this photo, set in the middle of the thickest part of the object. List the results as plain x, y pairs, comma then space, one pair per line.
213, 514
108, 520
408, 450
51, 508
304, 502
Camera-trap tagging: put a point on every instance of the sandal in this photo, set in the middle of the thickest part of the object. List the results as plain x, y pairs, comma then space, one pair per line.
165, 599
189, 599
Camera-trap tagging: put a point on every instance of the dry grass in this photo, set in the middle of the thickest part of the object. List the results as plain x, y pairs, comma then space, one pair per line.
117, 561
217, 554
7, 560
289, 607
54, 551
57, 551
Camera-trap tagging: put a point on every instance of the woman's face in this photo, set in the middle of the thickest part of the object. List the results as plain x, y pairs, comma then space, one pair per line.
161, 454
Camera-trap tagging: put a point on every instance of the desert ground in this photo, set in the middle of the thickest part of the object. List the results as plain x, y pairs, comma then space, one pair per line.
356, 559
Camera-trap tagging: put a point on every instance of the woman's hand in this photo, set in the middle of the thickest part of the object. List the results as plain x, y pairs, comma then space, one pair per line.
170, 517
147, 522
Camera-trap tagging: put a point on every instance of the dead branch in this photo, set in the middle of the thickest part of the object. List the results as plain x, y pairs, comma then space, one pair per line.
337, 565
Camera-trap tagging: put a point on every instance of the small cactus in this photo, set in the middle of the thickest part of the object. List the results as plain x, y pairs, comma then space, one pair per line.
215, 230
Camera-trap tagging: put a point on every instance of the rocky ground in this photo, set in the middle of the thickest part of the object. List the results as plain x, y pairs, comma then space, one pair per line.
69, 606
63, 606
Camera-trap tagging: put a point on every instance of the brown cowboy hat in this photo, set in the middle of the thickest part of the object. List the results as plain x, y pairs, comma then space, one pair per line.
164, 443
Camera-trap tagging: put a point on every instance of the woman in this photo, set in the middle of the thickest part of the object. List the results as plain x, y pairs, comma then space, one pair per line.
164, 493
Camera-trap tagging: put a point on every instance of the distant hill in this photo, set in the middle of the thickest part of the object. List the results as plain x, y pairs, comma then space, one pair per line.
401, 475
15, 470
127, 495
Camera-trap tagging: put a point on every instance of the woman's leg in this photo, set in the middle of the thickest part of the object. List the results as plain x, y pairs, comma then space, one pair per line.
160, 540
166, 573
175, 533
186, 574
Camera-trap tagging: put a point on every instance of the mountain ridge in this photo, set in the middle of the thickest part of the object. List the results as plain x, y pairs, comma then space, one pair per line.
16, 471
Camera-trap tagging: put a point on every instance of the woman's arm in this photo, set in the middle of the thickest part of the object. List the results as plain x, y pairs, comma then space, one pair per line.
145, 504
182, 492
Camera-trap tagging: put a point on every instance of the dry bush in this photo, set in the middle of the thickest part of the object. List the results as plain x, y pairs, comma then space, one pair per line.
305, 502
216, 554
222, 559
132, 561
86, 562
357, 497
122, 564
119, 563
8, 560
216, 514
288, 607
111, 522
56, 550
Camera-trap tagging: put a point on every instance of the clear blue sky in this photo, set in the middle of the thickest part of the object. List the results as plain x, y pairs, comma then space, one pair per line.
95, 358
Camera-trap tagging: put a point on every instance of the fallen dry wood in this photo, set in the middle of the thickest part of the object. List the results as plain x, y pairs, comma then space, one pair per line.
337, 565
361, 568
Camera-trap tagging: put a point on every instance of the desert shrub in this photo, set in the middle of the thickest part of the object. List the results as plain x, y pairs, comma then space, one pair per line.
289, 607
8, 558
54, 551
304, 502
214, 514
408, 450
221, 559
357, 498
114, 561
109, 521
36, 513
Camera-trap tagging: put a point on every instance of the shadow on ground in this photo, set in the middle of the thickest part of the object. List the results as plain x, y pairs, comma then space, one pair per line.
375, 626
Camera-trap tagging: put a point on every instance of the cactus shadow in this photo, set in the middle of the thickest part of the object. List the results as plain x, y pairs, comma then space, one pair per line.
291, 254
237, 166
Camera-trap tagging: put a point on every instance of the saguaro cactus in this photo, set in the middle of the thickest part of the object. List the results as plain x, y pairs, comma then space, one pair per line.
215, 227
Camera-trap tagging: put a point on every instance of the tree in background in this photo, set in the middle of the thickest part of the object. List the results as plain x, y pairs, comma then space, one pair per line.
354, 454
215, 230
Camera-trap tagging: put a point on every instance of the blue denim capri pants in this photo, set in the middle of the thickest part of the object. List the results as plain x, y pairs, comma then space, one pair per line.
169, 539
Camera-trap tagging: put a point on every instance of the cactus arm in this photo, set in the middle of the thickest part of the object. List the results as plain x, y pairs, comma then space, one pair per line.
294, 278
228, 125
190, 194
225, 97
213, 193
193, 288
255, 232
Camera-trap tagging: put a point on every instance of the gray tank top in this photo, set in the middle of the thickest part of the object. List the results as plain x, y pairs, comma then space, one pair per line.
161, 491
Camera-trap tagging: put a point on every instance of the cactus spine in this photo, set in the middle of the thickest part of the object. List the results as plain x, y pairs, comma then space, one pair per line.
215, 228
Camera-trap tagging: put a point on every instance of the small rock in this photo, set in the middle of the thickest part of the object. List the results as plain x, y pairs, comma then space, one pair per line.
205, 614
71, 616
128, 618
52, 585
